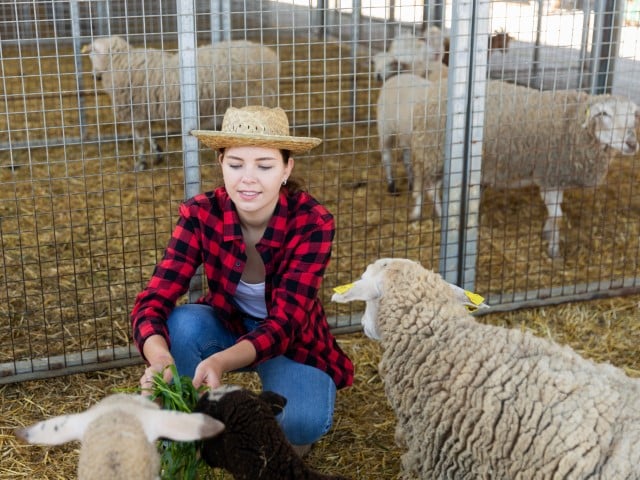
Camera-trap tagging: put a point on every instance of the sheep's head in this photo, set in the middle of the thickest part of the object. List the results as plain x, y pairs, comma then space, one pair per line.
155, 422
251, 427
100, 51
118, 435
613, 122
397, 280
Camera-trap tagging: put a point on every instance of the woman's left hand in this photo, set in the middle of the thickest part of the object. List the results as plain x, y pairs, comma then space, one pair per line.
209, 373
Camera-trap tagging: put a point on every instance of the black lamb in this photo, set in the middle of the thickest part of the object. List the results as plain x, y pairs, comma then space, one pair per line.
252, 446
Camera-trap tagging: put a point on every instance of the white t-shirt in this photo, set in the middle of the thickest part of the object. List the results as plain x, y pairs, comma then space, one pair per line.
250, 299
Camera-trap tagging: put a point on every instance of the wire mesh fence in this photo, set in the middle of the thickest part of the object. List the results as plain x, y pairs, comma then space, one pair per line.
82, 228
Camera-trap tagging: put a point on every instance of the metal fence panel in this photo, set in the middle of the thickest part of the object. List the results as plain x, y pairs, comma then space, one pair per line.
81, 231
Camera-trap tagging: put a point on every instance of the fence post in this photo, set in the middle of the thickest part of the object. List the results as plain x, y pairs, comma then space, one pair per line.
463, 141
187, 44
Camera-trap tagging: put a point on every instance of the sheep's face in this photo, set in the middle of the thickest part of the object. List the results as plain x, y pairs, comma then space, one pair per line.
101, 50
370, 288
398, 276
613, 122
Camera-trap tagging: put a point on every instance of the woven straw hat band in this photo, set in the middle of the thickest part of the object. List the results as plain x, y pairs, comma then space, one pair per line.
256, 120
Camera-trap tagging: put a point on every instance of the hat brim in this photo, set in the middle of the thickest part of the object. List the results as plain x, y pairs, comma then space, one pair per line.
216, 140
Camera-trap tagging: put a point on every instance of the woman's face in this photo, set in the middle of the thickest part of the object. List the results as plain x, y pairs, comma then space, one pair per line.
252, 178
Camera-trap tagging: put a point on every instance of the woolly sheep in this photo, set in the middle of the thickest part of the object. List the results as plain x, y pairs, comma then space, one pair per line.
118, 436
552, 140
144, 84
481, 401
253, 446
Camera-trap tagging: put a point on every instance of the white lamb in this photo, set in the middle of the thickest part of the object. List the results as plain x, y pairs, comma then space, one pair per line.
481, 401
408, 53
118, 436
144, 84
404, 68
553, 140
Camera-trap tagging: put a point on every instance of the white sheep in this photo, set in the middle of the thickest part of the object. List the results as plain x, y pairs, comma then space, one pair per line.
550, 139
409, 53
404, 68
481, 401
144, 84
253, 446
118, 435
394, 121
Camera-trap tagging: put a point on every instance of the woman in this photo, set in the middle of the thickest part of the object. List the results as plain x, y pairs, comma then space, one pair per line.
264, 245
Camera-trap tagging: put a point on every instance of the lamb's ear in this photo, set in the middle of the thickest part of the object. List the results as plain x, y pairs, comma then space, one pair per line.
180, 426
57, 430
275, 401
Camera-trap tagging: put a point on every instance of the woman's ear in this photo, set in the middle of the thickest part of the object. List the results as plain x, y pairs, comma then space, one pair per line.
289, 167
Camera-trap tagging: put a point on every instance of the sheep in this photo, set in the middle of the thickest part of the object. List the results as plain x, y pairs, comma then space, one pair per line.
402, 89
552, 140
144, 84
480, 401
118, 435
394, 121
498, 41
253, 446
408, 53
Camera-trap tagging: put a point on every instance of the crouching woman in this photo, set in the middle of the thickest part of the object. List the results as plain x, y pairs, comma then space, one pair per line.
264, 245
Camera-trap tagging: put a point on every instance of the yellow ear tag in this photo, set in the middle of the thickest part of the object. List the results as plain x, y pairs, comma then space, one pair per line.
343, 288
474, 297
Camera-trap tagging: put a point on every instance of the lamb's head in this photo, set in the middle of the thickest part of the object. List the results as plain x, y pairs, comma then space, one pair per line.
101, 50
251, 426
613, 122
118, 435
394, 287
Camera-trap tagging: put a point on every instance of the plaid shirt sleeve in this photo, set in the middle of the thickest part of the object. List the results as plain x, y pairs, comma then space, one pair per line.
170, 280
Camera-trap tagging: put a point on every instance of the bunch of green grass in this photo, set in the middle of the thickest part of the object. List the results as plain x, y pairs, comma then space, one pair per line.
179, 460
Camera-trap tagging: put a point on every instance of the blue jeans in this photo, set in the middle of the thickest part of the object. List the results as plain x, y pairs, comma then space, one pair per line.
196, 334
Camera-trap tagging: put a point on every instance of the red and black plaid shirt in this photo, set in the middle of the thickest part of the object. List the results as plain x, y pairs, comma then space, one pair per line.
295, 248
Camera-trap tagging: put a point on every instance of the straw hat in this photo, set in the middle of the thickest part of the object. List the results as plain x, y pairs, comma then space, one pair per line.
255, 126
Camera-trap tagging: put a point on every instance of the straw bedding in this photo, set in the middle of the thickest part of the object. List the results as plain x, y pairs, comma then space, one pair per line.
81, 233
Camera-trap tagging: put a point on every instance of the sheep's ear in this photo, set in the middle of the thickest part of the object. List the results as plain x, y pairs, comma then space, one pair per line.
57, 430
275, 401
365, 289
180, 426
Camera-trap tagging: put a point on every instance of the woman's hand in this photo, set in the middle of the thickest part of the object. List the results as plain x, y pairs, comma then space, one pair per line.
210, 370
209, 373
158, 358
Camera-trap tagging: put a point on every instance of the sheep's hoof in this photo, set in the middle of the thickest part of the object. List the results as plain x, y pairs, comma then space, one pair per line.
392, 189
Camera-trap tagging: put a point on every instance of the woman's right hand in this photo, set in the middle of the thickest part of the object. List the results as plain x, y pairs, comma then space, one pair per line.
158, 359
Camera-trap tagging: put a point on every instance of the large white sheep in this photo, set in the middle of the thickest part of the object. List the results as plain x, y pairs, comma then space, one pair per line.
550, 139
144, 84
253, 446
118, 436
481, 401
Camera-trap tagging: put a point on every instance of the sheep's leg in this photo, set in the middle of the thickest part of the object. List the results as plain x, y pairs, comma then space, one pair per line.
139, 140
406, 159
387, 158
551, 231
417, 191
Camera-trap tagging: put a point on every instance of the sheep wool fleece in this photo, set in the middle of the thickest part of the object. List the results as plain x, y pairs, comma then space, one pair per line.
479, 401
100, 461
